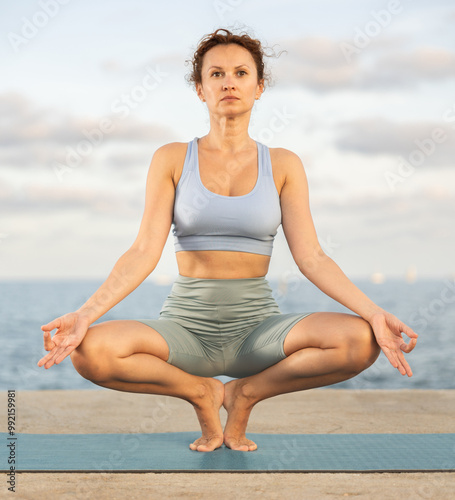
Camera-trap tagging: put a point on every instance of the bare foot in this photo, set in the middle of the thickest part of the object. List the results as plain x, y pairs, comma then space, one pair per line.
238, 407
207, 408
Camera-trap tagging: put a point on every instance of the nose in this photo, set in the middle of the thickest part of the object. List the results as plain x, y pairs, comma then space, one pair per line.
228, 84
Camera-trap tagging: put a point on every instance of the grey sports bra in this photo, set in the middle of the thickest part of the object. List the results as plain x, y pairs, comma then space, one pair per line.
204, 220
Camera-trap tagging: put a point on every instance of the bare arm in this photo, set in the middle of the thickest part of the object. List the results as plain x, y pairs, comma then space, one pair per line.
142, 257
306, 250
130, 269
323, 272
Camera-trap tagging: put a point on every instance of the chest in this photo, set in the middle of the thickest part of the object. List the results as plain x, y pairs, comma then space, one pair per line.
233, 175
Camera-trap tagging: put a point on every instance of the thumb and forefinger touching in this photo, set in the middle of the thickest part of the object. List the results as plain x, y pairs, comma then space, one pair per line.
395, 354
54, 346
57, 354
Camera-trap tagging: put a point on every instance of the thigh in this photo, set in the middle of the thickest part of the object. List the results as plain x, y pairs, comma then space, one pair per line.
186, 350
263, 346
327, 330
122, 338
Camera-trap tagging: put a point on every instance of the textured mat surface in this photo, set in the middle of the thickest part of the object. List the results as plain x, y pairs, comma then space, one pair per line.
169, 452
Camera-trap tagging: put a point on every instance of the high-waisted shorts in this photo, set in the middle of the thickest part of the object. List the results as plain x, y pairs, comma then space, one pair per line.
230, 327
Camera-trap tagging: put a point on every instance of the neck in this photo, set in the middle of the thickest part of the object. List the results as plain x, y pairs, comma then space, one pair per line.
229, 134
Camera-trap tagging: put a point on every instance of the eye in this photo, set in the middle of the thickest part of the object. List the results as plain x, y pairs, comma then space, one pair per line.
216, 73
243, 71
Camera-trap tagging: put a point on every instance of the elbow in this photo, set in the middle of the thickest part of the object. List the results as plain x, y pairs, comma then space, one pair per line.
148, 257
149, 248
310, 263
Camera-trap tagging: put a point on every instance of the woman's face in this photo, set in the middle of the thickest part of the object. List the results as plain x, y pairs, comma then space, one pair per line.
229, 70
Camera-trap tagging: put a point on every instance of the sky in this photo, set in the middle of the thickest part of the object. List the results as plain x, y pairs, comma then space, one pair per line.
363, 92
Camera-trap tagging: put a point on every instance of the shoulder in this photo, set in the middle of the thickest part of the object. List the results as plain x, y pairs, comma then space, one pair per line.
287, 166
169, 159
171, 151
283, 157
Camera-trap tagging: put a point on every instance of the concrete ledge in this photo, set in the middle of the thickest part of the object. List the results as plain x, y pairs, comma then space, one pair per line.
315, 411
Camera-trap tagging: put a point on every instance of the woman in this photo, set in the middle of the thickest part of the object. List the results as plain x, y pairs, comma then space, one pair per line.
226, 195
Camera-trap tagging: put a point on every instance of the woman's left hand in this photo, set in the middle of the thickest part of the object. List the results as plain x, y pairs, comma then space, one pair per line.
388, 331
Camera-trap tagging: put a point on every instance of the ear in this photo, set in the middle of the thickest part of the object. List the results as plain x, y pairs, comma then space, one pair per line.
260, 89
200, 92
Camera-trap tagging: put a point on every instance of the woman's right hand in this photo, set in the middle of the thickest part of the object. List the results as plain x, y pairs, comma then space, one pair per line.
71, 330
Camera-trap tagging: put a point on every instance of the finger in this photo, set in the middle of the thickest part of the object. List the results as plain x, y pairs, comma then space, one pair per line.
53, 324
60, 353
64, 354
408, 331
391, 357
405, 365
408, 347
48, 360
395, 361
48, 344
45, 359
401, 368
402, 365
51, 361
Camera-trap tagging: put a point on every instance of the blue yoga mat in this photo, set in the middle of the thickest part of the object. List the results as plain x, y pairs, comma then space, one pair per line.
169, 452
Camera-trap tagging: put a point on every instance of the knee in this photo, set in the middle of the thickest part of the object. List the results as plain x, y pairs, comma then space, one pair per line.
89, 358
363, 348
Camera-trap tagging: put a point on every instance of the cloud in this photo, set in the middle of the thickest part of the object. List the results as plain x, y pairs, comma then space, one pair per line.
373, 136
319, 64
22, 121
40, 198
424, 216
397, 69
315, 62
168, 66
31, 136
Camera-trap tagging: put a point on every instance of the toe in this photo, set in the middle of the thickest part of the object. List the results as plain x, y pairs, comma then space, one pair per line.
239, 447
194, 446
241, 444
205, 444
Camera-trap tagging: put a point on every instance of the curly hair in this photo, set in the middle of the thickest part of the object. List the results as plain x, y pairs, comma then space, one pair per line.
223, 36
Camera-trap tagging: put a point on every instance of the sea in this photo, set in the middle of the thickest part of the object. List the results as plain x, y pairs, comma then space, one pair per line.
426, 305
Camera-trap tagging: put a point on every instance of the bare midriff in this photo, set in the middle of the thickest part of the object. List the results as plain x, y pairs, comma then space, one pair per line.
221, 264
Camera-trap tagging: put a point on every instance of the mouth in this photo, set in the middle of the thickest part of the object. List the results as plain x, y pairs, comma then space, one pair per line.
230, 98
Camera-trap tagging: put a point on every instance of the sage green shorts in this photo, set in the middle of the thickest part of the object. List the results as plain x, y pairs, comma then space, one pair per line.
230, 327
